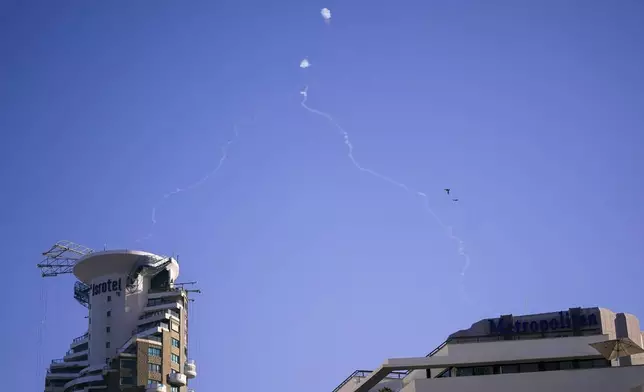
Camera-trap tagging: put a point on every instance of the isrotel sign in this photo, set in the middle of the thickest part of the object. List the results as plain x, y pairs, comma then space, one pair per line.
106, 287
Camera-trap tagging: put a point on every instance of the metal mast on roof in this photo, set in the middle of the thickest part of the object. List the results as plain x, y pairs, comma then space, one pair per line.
60, 259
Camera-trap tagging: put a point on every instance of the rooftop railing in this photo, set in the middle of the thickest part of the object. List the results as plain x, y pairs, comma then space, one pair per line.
149, 326
83, 337
159, 313
365, 373
397, 374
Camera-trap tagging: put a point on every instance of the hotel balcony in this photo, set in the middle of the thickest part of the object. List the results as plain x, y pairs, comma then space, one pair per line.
190, 369
158, 315
155, 388
83, 339
156, 304
71, 355
177, 379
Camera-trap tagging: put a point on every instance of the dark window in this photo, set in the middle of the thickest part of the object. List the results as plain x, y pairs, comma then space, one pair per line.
586, 364
107, 344
506, 369
482, 370
528, 367
109, 313
107, 329
109, 298
127, 380
462, 372
549, 366
175, 343
566, 365
128, 364
600, 363
174, 358
154, 351
153, 367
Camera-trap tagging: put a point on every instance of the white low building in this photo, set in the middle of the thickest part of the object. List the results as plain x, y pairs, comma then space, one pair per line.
540, 352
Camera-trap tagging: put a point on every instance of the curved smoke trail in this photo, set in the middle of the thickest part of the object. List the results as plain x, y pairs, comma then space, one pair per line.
347, 141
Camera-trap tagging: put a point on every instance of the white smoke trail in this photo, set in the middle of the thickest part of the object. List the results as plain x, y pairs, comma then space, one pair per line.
222, 159
448, 229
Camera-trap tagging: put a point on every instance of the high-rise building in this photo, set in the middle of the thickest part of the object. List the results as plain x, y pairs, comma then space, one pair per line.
136, 336
579, 349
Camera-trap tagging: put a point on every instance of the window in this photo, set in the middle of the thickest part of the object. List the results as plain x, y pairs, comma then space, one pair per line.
153, 367
174, 326
528, 367
482, 370
566, 365
109, 313
107, 344
174, 389
153, 382
127, 380
157, 301
175, 343
109, 298
549, 366
174, 358
154, 351
107, 361
90, 320
505, 369
128, 364
107, 329
600, 363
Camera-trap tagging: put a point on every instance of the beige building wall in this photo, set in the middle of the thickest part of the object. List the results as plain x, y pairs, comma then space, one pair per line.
622, 379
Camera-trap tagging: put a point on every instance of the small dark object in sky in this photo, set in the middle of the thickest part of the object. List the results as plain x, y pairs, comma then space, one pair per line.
454, 199
447, 190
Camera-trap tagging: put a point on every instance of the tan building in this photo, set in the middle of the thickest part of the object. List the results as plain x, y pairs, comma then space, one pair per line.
550, 352
137, 327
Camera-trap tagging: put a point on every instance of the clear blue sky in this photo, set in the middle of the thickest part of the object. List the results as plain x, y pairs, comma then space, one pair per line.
531, 111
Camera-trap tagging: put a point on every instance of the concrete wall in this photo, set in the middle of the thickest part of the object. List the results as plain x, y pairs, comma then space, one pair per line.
628, 326
124, 317
591, 380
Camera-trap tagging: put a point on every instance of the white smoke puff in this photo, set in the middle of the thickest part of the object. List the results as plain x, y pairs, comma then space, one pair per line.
305, 63
326, 14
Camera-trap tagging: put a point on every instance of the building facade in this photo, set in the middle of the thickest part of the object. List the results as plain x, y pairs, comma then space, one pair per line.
539, 352
137, 327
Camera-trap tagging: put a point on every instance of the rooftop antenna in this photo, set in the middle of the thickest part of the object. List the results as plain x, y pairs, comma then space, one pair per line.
185, 283
60, 259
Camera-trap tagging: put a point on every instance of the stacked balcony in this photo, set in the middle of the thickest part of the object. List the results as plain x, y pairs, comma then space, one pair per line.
190, 369
177, 379
154, 387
